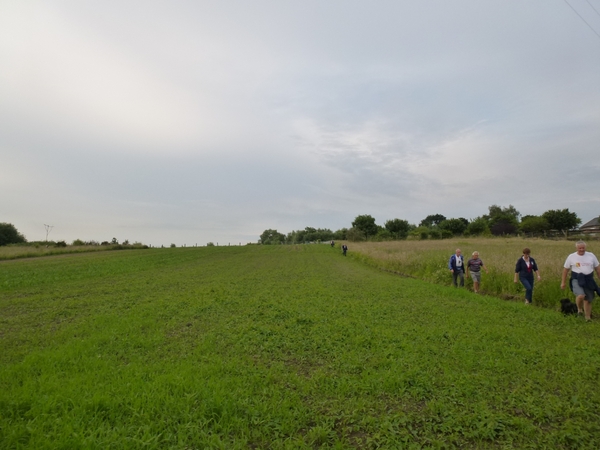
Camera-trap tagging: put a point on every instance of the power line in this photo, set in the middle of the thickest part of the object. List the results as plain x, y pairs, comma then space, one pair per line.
588, 2
591, 28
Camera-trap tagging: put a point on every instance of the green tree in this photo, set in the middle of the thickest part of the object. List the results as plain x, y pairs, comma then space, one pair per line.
534, 224
497, 213
309, 235
420, 232
355, 235
271, 237
340, 235
398, 228
454, 226
432, 220
435, 233
366, 224
447, 234
503, 220
562, 220
290, 238
478, 226
383, 234
323, 234
10, 235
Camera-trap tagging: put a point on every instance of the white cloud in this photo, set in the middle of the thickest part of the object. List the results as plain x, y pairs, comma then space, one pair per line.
64, 81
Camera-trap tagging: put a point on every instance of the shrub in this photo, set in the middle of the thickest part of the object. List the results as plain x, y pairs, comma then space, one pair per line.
10, 235
355, 235
534, 224
447, 234
398, 228
435, 234
478, 226
455, 226
382, 235
503, 228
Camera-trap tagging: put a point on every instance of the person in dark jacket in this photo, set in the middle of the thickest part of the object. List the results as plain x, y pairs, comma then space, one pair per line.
456, 264
524, 269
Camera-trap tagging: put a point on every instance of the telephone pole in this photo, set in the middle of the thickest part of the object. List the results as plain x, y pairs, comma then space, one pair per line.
48, 230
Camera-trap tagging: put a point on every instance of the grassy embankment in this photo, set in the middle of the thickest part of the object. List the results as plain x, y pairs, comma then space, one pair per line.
18, 251
428, 260
280, 347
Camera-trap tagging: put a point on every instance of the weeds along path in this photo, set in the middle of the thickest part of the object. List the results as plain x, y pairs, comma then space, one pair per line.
280, 347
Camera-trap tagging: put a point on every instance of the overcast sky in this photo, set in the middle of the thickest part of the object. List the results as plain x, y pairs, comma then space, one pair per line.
188, 122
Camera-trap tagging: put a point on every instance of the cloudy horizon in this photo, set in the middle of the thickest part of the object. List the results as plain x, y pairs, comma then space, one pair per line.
195, 122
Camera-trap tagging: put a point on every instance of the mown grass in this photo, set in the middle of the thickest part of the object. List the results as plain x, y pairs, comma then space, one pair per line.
280, 347
428, 260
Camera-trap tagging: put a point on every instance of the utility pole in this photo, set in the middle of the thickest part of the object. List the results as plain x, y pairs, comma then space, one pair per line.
48, 230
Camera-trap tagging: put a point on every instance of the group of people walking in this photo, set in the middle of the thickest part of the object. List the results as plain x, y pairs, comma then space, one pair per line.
581, 264
473, 267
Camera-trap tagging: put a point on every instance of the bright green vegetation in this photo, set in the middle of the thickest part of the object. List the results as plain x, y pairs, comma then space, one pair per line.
280, 347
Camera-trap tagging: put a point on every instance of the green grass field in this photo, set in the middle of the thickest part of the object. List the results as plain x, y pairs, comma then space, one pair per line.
281, 347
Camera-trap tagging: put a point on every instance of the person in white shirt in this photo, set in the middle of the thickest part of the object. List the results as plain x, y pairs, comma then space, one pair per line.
582, 265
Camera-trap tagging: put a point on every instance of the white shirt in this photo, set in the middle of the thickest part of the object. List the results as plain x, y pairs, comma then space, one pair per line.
584, 264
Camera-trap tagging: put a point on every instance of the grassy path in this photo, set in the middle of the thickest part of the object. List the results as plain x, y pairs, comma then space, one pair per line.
280, 347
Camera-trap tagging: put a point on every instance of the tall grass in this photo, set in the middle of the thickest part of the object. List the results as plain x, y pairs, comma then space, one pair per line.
8, 252
428, 260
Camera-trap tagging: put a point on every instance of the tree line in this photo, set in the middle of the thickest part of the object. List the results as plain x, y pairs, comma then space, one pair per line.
10, 235
499, 221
